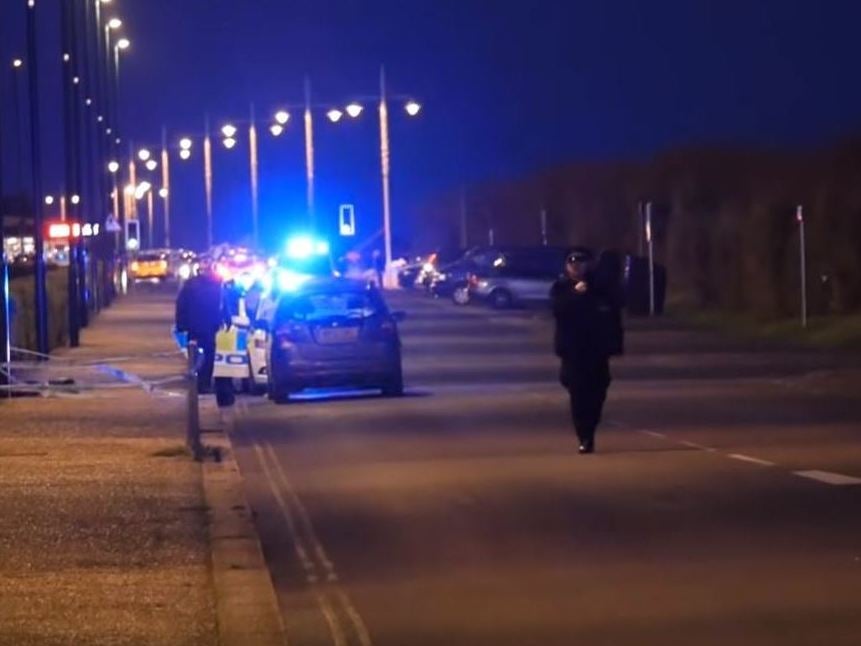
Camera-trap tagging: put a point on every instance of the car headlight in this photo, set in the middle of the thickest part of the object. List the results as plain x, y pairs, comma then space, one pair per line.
184, 271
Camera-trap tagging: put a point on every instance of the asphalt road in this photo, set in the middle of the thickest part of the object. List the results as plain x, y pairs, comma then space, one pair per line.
722, 505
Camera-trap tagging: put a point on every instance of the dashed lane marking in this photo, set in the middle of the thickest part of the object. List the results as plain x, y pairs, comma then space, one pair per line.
751, 459
699, 447
828, 477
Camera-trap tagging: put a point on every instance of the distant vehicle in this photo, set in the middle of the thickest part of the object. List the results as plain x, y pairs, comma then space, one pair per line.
517, 277
333, 333
422, 271
154, 265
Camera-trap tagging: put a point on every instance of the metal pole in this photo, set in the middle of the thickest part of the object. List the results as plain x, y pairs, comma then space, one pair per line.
309, 154
207, 180
799, 215
150, 214
385, 164
19, 130
464, 237
255, 197
40, 294
650, 241
640, 226
192, 429
165, 184
6, 340
543, 227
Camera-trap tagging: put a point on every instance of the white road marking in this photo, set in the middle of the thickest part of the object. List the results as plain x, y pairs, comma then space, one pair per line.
699, 447
749, 458
654, 434
326, 609
829, 477
320, 551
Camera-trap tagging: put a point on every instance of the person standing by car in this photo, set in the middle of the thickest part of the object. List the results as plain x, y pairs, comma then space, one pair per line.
199, 313
583, 343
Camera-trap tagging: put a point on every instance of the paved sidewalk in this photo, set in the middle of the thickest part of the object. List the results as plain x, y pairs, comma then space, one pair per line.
103, 538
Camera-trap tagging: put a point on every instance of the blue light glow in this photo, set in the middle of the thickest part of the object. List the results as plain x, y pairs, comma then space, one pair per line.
290, 281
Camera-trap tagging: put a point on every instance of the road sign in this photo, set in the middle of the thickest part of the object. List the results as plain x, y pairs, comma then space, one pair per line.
111, 225
347, 220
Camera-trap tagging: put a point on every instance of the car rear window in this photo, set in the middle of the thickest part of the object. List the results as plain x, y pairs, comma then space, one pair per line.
324, 305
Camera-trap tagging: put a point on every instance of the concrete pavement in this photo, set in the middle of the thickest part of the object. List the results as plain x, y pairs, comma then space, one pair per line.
104, 531
721, 505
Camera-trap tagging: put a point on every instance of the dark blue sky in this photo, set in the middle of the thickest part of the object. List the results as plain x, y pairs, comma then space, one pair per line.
508, 87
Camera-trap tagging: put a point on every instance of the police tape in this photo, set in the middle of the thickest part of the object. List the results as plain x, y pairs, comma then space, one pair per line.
42, 359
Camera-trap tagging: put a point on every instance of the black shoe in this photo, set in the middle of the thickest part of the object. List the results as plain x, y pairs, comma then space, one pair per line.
587, 447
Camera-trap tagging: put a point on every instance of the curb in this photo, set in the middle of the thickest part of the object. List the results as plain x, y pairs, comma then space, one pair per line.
246, 605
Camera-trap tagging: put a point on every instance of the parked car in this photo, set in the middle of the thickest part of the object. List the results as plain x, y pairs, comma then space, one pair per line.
518, 277
334, 333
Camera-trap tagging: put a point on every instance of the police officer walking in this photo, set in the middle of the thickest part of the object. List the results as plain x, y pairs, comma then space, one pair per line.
199, 313
584, 311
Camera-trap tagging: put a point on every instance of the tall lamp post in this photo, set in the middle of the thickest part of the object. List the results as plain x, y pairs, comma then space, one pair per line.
40, 292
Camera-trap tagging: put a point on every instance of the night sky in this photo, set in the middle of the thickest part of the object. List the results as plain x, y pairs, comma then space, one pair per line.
508, 87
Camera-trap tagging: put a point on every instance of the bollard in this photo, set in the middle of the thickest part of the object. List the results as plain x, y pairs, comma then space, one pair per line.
192, 430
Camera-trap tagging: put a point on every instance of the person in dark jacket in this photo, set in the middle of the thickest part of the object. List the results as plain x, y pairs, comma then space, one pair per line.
199, 312
582, 343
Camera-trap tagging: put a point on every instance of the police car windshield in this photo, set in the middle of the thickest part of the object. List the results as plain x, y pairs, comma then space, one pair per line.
313, 266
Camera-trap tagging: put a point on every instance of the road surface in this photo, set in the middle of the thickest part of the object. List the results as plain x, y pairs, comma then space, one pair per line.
722, 505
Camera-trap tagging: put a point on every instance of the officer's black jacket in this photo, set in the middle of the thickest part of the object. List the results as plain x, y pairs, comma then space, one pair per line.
588, 325
199, 307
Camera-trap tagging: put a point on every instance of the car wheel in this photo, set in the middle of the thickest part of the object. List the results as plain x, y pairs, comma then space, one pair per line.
460, 296
394, 386
501, 299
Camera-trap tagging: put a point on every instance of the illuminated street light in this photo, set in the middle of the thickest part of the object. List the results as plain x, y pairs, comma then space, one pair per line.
100, 118
143, 154
184, 154
413, 108
75, 199
129, 190
115, 23
282, 117
228, 130
151, 165
113, 166
162, 193
334, 115
185, 143
17, 63
229, 142
276, 129
142, 189
88, 101
76, 79
66, 58
354, 110
49, 200
123, 43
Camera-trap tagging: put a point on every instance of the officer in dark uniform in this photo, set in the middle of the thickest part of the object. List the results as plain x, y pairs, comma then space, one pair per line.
199, 312
584, 342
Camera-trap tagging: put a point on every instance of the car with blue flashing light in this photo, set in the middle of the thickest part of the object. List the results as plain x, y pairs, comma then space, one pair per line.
333, 333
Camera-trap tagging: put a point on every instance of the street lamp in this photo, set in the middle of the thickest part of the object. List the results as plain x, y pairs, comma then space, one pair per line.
185, 143
151, 165
354, 110
412, 108
75, 199
282, 117
144, 154
123, 43
334, 115
163, 193
49, 200
185, 154
229, 143
115, 23
17, 63
276, 129
228, 130
113, 167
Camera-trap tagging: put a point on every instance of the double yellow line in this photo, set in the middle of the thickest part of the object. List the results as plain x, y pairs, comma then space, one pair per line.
343, 620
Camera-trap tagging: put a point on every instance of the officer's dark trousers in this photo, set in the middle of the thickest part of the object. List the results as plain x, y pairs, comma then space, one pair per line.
586, 382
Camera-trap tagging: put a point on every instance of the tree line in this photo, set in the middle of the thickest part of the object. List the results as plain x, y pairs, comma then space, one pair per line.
724, 221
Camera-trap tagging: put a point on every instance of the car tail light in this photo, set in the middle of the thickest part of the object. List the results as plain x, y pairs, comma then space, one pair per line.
287, 335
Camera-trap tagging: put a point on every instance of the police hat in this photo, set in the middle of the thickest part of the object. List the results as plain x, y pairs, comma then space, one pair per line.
579, 254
